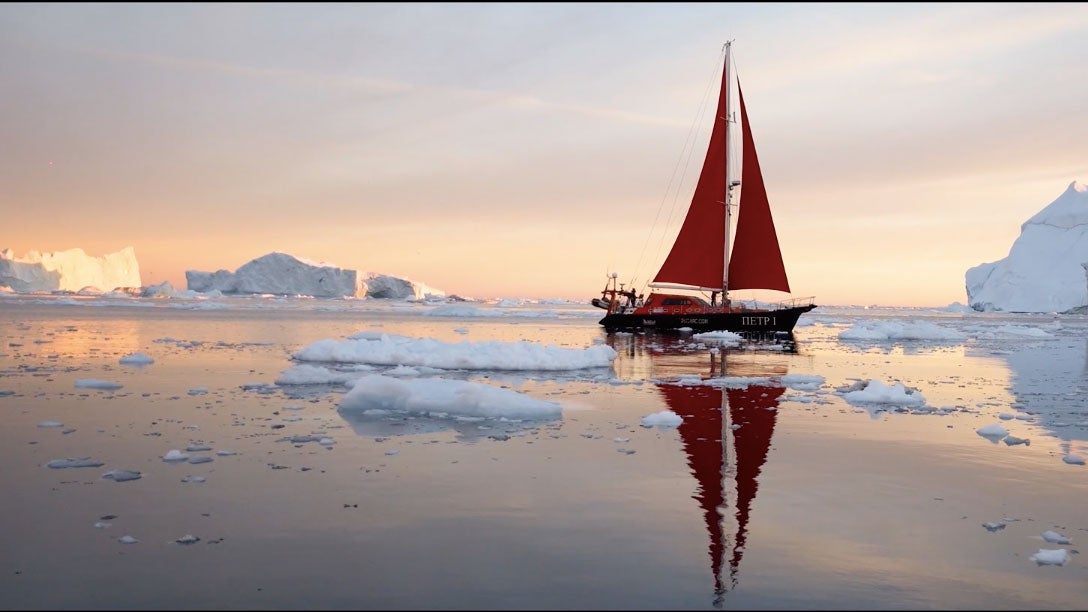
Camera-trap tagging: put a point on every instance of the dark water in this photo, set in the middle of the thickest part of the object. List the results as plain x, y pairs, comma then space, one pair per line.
767, 496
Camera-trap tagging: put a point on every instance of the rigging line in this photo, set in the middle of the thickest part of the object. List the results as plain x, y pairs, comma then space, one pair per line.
689, 148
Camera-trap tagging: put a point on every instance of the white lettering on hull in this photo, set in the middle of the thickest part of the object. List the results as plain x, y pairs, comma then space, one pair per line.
754, 321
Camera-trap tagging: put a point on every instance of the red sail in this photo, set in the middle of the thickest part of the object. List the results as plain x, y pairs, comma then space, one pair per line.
756, 260
697, 256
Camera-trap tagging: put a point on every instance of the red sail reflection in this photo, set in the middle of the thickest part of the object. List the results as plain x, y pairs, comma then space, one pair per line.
726, 461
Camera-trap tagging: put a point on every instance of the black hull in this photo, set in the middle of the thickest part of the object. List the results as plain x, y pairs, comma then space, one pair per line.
749, 323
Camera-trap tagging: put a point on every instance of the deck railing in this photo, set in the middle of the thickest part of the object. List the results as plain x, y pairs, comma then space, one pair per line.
796, 302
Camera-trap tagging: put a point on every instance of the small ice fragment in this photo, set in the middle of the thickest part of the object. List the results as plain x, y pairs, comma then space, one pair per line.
992, 432
187, 539
665, 418
994, 526
57, 464
1047, 556
121, 475
93, 383
1056, 538
138, 359
127, 539
175, 455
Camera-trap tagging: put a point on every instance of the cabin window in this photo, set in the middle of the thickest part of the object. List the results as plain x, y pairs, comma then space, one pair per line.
677, 302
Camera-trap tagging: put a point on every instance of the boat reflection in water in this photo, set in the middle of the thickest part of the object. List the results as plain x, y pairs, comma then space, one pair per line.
726, 433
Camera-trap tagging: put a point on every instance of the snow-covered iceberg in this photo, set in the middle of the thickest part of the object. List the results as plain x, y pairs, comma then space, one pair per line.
71, 270
283, 274
390, 287
1045, 270
279, 274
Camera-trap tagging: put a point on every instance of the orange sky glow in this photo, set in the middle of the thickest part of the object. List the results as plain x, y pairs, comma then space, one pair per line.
526, 150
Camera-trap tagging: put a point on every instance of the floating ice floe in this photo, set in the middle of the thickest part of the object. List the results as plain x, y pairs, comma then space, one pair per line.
719, 337
993, 433
441, 397
306, 374
896, 330
993, 526
127, 539
1056, 538
1073, 459
1011, 332
802, 382
175, 455
136, 359
122, 475
94, 383
875, 392
50, 424
377, 348
58, 464
665, 418
1047, 556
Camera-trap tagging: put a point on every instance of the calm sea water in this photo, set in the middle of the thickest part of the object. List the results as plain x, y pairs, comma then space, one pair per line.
766, 497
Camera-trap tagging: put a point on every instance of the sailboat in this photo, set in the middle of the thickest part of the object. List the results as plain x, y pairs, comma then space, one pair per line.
701, 259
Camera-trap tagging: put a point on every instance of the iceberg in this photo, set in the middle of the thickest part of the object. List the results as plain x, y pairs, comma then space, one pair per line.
1046, 268
71, 270
283, 274
279, 274
382, 286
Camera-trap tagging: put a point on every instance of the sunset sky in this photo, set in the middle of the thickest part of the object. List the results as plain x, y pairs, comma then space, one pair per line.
526, 150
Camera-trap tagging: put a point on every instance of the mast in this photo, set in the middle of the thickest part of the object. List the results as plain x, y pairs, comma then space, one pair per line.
730, 181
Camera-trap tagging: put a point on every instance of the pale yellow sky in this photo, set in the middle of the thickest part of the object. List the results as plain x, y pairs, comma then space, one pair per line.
526, 150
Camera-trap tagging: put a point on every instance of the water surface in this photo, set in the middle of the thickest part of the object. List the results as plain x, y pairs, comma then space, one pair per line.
822, 504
